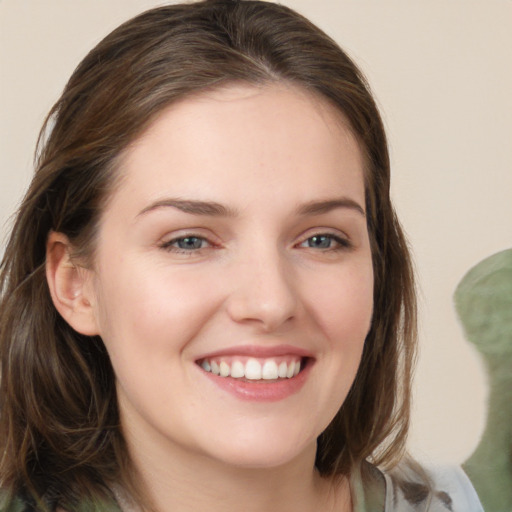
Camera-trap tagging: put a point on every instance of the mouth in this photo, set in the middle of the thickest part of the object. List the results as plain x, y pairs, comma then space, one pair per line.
255, 369
257, 373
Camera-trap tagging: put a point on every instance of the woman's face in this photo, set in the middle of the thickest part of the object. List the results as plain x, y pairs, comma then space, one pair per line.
235, 243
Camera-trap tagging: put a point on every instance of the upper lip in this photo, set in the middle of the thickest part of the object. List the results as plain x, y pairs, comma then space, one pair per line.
261, 351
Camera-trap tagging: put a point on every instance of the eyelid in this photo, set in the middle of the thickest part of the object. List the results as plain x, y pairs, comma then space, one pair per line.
167, 242
173, 241
341, 240
326, 231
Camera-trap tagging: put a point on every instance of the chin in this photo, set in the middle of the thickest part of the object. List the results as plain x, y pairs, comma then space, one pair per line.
256, 459
270, 450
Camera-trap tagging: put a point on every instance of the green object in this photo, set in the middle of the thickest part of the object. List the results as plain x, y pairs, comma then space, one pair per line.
483, 301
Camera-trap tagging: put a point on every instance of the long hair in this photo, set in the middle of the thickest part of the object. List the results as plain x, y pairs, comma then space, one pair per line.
60, 437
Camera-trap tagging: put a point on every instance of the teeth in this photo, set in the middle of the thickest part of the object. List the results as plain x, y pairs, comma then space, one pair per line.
253, 369
215, 368
283, 370
269, 370
291, 370
224, 369
237, 370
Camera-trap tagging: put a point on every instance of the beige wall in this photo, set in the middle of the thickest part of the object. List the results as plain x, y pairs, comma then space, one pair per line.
441, 71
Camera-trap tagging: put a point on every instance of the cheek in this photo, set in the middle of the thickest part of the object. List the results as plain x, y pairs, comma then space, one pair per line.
343, 305
144, 307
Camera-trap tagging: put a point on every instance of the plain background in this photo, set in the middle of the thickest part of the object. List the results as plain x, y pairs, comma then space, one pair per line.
442, 74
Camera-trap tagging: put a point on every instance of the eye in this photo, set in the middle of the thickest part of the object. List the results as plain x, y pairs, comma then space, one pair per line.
189, 243
325, 242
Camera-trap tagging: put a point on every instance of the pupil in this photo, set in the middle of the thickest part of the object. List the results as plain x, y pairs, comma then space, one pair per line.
190, 242
322, 242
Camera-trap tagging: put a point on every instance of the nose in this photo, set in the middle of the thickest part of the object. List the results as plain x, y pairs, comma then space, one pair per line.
263, 292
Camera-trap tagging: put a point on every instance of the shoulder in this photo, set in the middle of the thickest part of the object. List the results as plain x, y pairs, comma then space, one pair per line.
411, 487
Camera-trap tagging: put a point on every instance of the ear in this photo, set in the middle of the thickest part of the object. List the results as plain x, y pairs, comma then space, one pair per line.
71, 286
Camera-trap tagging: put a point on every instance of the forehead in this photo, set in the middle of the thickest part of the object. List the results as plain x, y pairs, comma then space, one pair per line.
269, 137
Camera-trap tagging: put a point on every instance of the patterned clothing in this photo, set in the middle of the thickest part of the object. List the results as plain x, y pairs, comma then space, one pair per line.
445, 489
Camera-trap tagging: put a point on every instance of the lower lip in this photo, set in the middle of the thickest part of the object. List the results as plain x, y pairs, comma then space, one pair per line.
261, 390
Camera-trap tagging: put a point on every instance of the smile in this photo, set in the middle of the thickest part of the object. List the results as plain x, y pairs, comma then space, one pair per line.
253, 369
257, 373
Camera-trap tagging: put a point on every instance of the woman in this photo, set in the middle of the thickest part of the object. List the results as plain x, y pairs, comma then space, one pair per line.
207, 299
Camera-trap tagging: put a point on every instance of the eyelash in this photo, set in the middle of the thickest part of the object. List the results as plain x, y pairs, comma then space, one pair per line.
340, 243
171, 245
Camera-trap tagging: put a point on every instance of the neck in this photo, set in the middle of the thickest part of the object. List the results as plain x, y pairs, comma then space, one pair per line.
184, 482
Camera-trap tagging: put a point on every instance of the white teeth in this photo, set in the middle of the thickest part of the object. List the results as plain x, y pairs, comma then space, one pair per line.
253, 370
224, 369
237, 370
215, 368
269, 370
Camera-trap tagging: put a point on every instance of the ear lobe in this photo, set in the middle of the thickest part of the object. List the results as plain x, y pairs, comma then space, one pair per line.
70, 286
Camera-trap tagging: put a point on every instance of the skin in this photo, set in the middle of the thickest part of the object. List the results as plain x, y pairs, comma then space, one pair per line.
255, 276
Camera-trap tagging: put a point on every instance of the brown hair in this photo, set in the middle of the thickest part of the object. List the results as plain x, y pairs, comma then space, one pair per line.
59, 425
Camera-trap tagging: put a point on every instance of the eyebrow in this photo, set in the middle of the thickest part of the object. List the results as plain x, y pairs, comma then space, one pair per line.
209, 208
325, 206
214, 209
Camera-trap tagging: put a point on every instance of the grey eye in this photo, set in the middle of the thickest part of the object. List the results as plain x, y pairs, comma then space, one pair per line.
319, 242
325, 242
189, 243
